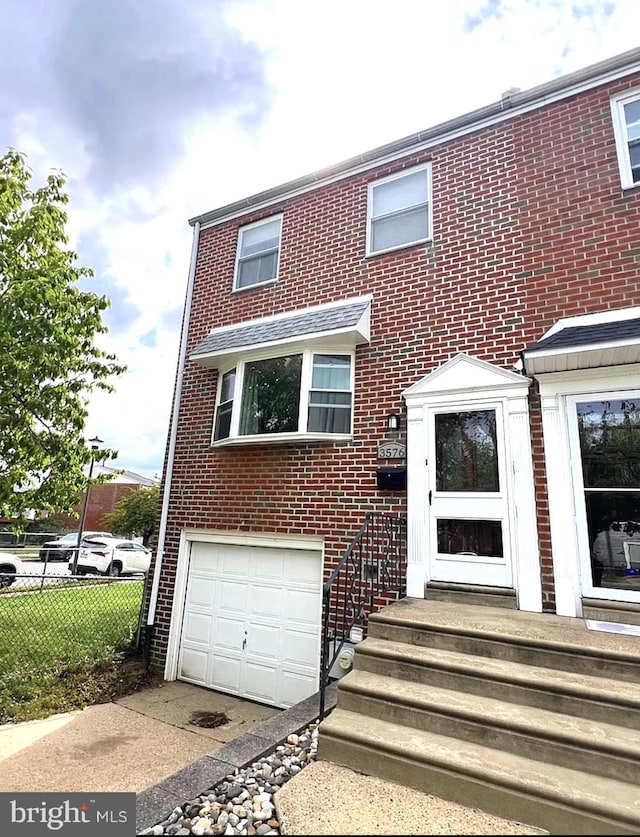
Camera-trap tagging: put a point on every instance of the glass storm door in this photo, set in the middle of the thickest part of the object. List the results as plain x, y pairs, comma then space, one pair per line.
469, 538
608, 435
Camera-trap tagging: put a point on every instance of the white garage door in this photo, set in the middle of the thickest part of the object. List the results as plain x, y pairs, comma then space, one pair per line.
251, 623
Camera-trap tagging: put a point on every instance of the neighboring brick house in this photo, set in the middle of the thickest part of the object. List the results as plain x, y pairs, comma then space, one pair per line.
481, 280
105, 496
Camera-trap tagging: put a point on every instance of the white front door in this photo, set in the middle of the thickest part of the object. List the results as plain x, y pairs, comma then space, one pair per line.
251, 624
467, 496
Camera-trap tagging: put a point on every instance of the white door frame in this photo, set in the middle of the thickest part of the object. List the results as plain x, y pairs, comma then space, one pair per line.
468, 381
558, 391
187, 537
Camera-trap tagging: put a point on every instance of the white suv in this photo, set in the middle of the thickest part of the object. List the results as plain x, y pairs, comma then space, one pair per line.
10, 566
112, 556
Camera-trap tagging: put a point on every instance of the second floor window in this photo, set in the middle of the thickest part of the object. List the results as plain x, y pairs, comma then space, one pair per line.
399, 210
258, 253
626, 122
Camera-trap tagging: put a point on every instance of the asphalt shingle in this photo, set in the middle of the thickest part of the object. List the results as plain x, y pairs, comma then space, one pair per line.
253, 334
587, 335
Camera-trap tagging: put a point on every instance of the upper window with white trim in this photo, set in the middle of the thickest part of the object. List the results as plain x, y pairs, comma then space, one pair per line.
626, 123
258, 253
399, 210
306, 393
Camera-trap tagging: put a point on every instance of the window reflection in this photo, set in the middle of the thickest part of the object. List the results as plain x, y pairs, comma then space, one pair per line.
470, 537
466, 451
609, 434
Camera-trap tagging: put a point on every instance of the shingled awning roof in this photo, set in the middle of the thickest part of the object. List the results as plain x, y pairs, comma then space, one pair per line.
345, 324
587, 342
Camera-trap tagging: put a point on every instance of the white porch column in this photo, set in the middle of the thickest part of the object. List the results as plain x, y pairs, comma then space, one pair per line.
417, 518
561, 511
525, 531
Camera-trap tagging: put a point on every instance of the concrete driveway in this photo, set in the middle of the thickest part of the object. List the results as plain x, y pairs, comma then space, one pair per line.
128, 745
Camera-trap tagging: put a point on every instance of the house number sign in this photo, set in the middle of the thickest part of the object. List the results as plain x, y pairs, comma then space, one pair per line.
392, 450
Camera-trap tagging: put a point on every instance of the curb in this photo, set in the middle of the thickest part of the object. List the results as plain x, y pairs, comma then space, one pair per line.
156, 802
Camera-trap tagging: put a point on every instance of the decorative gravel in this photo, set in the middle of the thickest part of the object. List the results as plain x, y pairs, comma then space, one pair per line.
242, 803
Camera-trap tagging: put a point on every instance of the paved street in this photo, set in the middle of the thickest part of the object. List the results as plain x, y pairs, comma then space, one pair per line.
55, 572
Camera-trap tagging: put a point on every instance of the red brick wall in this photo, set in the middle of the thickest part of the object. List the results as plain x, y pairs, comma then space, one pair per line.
530, 225
103, 498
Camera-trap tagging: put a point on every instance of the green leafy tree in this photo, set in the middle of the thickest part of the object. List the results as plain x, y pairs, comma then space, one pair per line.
50, 361
135, 514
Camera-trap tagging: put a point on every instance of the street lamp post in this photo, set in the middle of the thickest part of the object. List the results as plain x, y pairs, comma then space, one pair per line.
95, 445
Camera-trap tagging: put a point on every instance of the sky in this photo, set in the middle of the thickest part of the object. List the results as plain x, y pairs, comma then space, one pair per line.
160, 110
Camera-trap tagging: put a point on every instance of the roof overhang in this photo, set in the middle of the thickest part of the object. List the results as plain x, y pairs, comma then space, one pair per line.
342, 325
592, 341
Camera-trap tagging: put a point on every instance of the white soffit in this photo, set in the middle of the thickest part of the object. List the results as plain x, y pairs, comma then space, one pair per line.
610, 338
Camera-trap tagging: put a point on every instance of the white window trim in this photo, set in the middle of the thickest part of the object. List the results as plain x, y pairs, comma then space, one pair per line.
558, 391
404, 173
582, 539
305, 386
238, 249
621, 136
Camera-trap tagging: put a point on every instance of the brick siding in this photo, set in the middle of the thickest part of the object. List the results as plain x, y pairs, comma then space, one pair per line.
103, 498
530, 225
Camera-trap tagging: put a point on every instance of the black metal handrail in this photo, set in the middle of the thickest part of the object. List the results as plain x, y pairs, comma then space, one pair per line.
372, 567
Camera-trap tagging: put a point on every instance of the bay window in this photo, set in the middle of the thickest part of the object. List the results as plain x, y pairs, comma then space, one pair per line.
307, 393
223, 413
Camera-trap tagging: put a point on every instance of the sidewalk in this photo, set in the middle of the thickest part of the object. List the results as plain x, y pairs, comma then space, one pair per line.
131, 744
156, 802
325, 798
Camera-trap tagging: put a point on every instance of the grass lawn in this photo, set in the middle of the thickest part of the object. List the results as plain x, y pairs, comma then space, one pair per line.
67, 647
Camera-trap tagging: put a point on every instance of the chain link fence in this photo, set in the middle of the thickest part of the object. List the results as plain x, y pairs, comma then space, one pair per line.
52, 623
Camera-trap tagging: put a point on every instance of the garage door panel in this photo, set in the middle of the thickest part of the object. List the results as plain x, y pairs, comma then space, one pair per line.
263, 640
197, 627
261, 682
268, 596
202, 592
268, 567
228, 634
232, 596
300, 648
193, 665
302, 607
265, 601
227, 672
235, 562
295, 687
303, 568
204, 562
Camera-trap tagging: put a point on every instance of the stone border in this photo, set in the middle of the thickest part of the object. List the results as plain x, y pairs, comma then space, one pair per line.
154, 804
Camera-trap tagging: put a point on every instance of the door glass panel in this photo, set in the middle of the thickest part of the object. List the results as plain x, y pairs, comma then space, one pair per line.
609, 433
470, 537
466, 451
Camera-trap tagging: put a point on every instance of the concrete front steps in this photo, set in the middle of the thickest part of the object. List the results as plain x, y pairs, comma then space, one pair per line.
442, 591
607, 611
528, 716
